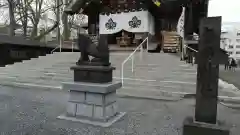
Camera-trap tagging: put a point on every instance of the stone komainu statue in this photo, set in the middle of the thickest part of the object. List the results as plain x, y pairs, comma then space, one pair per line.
87, 48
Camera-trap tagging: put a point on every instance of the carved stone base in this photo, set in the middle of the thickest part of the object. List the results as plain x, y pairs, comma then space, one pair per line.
92, 103
92, 74
194, 128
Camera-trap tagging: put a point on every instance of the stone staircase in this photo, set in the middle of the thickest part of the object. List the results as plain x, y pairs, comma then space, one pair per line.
155, 76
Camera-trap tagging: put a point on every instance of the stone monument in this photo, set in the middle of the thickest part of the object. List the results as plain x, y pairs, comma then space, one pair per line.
205, 121
92, 95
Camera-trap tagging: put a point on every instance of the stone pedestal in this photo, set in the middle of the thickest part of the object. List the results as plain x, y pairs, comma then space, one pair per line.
93, 74
191, 127
92, 103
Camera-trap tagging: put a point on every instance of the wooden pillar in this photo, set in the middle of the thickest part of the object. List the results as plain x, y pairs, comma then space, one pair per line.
93, 17
208, 70
188, 20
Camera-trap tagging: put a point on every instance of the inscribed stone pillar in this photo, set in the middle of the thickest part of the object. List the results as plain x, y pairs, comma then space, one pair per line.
208, 70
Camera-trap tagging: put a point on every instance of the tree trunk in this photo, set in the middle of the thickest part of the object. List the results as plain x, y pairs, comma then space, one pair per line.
11, 31
66, 29
25, 22
25, 26
24, 30
58, 20
34, 31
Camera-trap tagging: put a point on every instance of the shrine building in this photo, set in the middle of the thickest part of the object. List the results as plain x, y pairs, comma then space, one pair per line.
132, 21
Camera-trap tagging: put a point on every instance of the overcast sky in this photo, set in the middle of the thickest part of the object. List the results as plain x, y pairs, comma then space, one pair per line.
228, 9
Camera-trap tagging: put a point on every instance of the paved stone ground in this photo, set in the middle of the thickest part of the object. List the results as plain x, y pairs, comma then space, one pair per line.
34, 112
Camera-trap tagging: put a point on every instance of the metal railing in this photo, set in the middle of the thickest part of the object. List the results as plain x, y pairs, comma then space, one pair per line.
131, 56
193, 61
72, 46
73, 43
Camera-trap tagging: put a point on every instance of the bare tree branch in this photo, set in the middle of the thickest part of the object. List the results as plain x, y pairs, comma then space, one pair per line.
47, 32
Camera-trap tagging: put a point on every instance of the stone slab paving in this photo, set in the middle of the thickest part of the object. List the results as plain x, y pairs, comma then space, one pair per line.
35, 112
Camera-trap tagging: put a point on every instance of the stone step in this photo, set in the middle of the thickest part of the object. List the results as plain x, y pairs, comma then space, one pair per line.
150, 94
127, 69
30, 62
117, 73
127, 83
48, 62
33, 71
39, 73
61, 77
156, 77
49, 59
62, 65
43, 61
159, 85
50, 65
126, 90
174, 88
30, 85
162, 88
45, 76
29, 67
57, 82
32, 80
54, 69
55, 57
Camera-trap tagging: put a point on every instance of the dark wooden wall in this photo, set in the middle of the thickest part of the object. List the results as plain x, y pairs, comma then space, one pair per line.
193, 14
11, 53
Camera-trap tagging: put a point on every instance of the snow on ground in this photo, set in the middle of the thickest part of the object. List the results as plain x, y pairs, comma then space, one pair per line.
225, 85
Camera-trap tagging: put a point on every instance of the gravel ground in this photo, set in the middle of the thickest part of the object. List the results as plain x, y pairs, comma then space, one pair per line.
34, 112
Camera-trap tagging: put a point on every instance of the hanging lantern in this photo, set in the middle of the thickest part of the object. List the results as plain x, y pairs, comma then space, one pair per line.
156, 2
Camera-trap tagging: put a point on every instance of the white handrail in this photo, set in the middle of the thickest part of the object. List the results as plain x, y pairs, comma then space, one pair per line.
55, 49
132, 57
60, 47
191, 48
72, 46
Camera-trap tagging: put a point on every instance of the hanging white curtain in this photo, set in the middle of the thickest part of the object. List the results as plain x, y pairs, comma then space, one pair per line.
110, 24
136, 22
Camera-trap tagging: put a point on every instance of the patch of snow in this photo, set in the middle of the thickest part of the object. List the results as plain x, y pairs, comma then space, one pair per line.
225, 85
